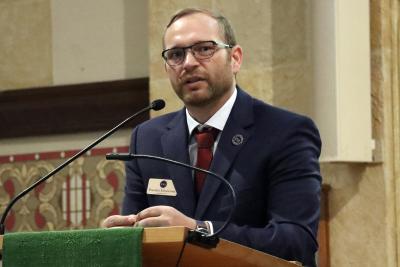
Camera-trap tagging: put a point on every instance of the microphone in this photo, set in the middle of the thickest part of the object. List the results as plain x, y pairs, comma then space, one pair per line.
155, 105
196, 237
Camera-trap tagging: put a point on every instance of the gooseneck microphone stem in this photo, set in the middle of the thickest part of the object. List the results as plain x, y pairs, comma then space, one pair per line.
156, 105
129, 156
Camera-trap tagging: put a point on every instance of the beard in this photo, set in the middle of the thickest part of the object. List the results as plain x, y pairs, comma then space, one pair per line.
204, 95
206, 89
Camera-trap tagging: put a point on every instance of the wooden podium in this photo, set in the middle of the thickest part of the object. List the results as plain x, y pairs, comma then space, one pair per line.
162, 246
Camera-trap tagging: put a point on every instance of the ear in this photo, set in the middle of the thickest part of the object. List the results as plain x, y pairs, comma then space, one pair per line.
236, 58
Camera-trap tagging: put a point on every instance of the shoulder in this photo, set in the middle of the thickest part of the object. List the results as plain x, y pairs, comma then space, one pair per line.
269, 115
278, 114
285, 131
162, 123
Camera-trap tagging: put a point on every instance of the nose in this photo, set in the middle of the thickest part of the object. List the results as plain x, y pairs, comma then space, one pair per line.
190, 60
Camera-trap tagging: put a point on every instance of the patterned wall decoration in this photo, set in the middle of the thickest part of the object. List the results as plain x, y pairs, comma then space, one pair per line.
80, 196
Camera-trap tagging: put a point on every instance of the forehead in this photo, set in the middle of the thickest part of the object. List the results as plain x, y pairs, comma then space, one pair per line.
191, 29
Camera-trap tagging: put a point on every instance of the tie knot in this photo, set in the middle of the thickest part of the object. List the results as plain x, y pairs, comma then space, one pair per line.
206, 137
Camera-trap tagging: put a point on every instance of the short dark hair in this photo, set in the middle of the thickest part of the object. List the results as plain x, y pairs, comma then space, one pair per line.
224, 25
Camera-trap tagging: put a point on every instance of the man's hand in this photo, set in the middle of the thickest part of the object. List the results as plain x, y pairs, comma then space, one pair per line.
119, 220
163, 216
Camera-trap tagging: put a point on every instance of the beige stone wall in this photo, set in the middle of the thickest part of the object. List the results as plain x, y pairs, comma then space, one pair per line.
25, 44
357, 214
99, 40
53, 42
291, 55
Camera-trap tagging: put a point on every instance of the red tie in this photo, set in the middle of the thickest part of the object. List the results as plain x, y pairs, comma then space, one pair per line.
205, 141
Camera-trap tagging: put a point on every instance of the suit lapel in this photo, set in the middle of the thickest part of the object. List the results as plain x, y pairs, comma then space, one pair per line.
175, 149
233, 138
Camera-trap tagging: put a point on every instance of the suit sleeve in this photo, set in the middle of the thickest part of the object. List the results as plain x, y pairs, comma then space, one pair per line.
293, 195
135, 198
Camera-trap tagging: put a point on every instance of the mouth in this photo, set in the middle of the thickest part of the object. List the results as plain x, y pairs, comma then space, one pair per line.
192, 80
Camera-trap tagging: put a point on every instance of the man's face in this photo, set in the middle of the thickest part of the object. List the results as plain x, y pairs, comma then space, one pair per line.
200, 82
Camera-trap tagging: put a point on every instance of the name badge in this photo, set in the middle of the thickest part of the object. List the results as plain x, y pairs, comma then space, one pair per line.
161, 187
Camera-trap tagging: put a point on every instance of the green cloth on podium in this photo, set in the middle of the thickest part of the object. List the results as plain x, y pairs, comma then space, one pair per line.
95, 247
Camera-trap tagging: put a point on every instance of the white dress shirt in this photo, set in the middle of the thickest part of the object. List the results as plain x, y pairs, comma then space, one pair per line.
218, 121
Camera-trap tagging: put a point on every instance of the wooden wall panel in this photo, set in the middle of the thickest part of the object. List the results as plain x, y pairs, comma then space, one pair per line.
71, 108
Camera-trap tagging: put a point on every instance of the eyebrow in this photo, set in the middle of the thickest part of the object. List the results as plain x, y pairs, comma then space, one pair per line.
189, 45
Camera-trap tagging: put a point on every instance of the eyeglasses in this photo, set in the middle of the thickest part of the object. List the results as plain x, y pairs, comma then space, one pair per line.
201, 50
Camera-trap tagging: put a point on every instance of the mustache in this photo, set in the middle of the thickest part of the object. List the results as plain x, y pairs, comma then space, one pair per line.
193, 77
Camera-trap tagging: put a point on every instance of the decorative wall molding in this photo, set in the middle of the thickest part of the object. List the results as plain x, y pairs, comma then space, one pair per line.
59, 154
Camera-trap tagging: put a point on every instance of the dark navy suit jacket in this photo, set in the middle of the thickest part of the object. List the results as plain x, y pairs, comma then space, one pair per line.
274, 171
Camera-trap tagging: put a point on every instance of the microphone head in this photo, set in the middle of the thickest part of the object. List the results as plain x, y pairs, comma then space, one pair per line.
157, 104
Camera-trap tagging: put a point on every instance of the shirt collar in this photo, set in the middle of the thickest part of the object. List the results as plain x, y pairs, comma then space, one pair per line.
218, 120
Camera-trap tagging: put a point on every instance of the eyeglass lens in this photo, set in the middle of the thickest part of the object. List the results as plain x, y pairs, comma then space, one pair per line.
201, 50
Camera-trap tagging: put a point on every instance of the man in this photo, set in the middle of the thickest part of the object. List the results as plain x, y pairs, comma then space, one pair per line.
269, 155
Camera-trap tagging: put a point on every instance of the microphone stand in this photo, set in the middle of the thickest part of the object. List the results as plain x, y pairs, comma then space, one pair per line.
195, 237
156, 105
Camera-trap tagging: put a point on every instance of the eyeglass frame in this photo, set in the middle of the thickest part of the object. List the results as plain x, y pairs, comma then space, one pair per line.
215, 43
